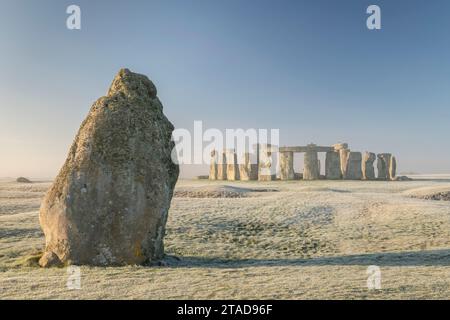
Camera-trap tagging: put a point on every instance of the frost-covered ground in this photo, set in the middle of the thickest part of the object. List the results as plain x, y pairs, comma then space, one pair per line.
278, 240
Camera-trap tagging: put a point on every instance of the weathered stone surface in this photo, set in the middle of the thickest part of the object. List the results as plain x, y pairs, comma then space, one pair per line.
265, 162
343, 154
311, 169
333, 165
392, 168
340, 146
213, 166
244, 167
247, 169
109, 203
354, 171
222, 166
50, 259
368, 169
232, 165
253, 171
287, 166
383, 163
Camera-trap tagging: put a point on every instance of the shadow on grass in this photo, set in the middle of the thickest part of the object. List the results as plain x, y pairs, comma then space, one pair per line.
410, 258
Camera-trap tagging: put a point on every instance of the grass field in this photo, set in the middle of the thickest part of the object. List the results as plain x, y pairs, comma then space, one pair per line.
252, 240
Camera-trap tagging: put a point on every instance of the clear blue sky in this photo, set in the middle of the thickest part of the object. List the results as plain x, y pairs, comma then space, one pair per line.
310, 68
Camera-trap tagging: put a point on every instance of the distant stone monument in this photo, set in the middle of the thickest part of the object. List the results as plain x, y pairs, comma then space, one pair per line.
110, 201
340, 163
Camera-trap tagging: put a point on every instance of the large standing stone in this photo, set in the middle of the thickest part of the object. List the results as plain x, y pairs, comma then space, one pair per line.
392, 168
213, 166
232, 165
368, 169
287, 165
247, 169
222, 166
343, 155
354, 171
383, 163
109, 203
244, 167
265, 162
333, 165
311, 168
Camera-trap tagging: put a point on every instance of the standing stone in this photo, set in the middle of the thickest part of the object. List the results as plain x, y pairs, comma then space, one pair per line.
265, 162
383, 164
244, 167
392, 168
110, 201
253, 171
343, 155
368, 169
333, 166
222, 166
232, 165
354, 171
287, 166
247, 169
213, 166
311, 169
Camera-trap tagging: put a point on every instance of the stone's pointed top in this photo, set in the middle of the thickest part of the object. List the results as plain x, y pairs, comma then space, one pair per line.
132, 84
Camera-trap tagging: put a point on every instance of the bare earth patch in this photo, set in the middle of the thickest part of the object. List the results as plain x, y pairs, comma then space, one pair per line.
244, 240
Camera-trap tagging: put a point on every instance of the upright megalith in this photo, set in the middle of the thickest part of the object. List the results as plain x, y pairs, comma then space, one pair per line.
213, 166
383, 164
311, 167
354, 171
222, 165
368, 169
232, 165
247, 169
110, 201
333, 165
343, 150
287, 165
392, 168
265, 162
